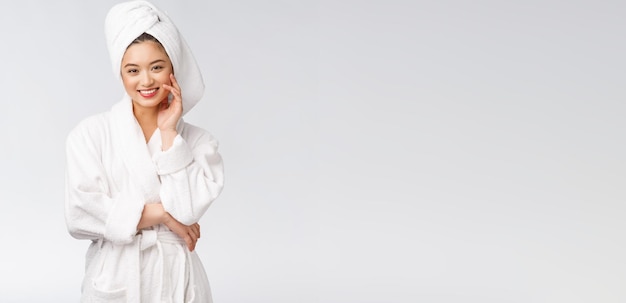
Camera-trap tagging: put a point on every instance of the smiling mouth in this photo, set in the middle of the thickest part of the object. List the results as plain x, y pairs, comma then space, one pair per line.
148, 93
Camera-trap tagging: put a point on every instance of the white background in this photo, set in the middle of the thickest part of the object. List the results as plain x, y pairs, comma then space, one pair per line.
375, 151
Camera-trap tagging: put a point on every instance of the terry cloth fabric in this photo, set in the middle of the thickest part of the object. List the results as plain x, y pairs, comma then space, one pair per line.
111, 173
128, 20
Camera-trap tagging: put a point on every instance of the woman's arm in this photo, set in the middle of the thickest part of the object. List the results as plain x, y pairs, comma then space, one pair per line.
154, 214
91, 210
192, 174
189, 166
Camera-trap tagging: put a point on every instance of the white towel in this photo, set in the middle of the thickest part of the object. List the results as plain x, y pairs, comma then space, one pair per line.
128, 20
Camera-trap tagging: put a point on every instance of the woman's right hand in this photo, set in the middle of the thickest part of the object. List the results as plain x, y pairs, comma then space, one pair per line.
189, 233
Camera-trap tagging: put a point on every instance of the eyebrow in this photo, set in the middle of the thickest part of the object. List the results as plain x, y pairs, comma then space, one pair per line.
153, 62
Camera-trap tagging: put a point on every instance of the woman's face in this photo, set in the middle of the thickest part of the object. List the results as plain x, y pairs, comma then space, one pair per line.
145, 68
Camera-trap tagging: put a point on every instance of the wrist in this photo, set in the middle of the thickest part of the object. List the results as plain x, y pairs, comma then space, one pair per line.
168, 130
167, 138
152, 214
166, 218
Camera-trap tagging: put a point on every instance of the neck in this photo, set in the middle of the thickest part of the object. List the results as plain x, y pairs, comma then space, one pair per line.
147, 119
147, 114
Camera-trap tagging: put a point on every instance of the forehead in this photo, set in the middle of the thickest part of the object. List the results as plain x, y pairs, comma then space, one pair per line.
146, 51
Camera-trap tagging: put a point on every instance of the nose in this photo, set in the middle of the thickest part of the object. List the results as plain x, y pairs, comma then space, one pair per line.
146, 80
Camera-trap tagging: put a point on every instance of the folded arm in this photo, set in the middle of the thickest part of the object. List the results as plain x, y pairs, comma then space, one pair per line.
192, 175
91, 210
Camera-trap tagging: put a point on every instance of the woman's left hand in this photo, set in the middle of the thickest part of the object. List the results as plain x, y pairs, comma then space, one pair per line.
189, 233
170, 113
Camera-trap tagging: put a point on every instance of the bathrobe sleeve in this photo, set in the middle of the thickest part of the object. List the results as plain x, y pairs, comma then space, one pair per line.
192, 174
91, 211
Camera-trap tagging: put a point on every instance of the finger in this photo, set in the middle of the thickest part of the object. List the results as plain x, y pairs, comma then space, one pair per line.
178, 96
177, 100
174, 82
190, 243
164, 105
193, 234
173, 90
183, 232
196, 229
194, 240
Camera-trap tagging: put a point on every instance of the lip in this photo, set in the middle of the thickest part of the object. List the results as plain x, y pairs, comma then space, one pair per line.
148, 93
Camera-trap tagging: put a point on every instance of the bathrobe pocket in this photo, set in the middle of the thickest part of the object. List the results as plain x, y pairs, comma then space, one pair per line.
106, 278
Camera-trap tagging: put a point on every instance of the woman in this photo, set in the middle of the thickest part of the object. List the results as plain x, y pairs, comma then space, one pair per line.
138, 177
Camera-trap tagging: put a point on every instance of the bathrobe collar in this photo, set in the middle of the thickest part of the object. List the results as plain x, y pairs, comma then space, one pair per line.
134, 150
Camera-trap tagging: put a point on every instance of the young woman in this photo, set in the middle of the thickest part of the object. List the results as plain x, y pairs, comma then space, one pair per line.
138, 177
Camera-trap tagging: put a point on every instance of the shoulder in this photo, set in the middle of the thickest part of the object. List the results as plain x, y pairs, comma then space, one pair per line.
93, 128
195, 136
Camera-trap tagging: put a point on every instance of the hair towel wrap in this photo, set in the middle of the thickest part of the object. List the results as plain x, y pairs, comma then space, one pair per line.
128, 20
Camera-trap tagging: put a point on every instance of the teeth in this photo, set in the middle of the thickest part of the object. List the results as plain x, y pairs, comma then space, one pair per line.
147, 92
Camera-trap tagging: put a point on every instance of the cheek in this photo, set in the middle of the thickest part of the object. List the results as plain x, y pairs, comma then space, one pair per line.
164, 78
128, 83
125, 80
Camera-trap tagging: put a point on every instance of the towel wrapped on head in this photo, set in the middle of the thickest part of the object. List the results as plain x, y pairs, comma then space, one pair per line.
128, 20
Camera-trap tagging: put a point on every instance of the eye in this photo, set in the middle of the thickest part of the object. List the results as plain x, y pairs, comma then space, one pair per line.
157, 67
132, 71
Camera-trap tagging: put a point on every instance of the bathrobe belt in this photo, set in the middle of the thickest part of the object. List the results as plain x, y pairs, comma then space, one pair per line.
147, 239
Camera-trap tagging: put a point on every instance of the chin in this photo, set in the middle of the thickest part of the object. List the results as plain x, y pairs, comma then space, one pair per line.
152, 102
146, 103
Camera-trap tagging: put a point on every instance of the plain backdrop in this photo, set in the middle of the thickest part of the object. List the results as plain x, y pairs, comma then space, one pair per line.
375, 151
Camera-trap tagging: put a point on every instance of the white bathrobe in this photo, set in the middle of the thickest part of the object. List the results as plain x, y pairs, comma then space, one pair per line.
111, 173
